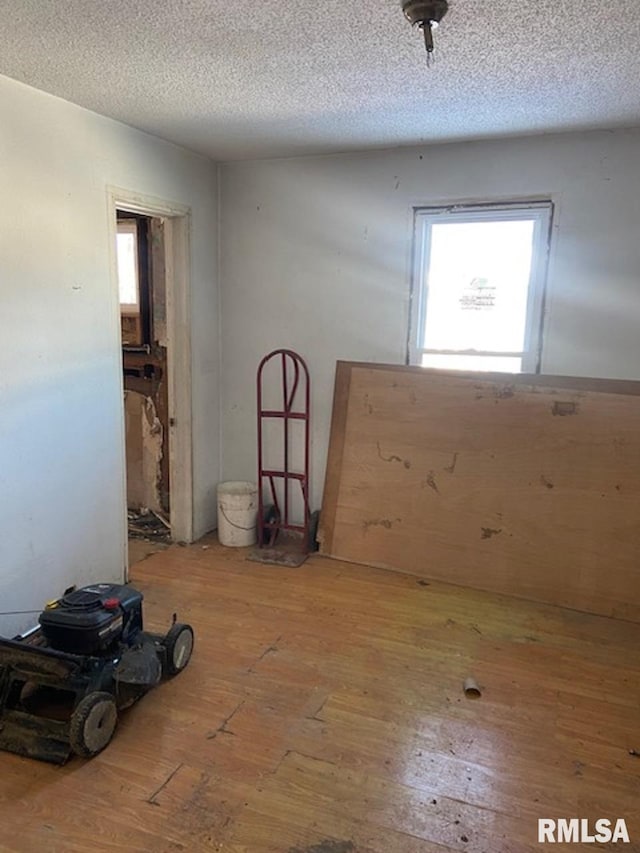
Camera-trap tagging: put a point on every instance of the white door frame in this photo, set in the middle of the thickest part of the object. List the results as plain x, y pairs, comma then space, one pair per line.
178, 284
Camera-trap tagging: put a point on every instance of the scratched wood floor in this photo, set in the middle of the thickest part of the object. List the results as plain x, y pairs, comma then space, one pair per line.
323, 713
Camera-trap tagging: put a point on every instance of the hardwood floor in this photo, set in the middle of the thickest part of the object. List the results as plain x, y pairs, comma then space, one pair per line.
323, 712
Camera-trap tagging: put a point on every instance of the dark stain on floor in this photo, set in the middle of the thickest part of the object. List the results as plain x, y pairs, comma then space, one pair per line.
326, 847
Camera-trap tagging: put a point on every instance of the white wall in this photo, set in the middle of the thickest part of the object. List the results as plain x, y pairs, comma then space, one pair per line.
316, 252
61, 498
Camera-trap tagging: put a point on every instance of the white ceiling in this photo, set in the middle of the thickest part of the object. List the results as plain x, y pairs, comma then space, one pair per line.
238, 80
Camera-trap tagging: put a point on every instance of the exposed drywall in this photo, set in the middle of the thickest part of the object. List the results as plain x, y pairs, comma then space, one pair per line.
316, 256
144, 452
62, 515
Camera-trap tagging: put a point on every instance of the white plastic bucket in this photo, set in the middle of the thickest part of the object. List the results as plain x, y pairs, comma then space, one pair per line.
237, 513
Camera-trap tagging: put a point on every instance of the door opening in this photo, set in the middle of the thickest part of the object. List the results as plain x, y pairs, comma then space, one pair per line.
152, 281
143, 300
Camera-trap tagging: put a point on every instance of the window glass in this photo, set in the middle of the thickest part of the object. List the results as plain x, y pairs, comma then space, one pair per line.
478, 281
128, 266
486, 363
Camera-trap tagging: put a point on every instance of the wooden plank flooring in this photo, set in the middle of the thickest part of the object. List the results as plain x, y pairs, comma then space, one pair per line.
323, 713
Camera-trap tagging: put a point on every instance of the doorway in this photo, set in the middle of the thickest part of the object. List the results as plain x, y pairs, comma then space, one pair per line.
142, 292
151, 275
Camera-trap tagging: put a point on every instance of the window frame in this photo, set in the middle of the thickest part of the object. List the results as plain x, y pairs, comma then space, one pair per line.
541, 212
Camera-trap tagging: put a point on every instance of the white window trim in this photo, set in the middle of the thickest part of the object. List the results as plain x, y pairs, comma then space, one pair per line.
424, 217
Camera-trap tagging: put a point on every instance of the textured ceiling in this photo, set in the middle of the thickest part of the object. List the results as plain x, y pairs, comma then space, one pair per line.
238, 80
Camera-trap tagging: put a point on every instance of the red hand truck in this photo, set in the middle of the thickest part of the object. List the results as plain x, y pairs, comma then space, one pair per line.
293, 406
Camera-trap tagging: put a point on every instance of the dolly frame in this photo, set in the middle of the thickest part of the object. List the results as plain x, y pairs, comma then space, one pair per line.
294, 371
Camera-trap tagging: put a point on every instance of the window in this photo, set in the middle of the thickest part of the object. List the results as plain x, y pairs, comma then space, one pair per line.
478, 289
128, 266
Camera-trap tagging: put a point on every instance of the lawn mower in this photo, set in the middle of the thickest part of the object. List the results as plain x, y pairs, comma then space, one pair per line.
63, 682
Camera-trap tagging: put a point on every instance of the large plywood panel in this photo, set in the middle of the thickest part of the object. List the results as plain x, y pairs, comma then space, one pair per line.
523, 485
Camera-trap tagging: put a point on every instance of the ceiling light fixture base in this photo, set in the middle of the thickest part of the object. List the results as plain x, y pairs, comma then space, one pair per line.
426, 15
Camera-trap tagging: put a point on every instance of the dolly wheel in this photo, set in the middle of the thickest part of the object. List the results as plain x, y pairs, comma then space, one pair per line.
178, 645
93, 723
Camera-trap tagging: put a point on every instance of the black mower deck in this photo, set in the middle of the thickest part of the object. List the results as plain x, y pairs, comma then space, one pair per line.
40, 688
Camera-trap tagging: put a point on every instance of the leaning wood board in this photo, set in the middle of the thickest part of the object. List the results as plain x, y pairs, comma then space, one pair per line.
523, 485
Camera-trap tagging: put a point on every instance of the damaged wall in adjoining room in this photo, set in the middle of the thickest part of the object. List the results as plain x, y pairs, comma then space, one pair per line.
144, 436
316, 256
62, 513
146, 378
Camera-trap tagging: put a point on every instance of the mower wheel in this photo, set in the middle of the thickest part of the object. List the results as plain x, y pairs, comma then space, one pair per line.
93, 723
178, 646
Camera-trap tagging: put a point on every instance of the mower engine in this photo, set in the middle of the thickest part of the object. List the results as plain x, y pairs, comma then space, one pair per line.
91, 620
